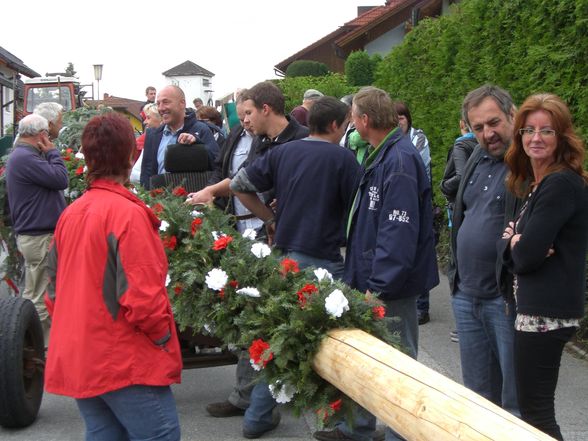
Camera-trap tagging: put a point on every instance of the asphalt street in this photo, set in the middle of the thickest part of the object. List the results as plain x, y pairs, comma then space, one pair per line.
59, 419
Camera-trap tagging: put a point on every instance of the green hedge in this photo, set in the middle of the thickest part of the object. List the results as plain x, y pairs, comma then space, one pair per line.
301, 68
525, 46
333, 84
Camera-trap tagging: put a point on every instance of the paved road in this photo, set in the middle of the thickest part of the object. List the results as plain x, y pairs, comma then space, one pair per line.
59, 419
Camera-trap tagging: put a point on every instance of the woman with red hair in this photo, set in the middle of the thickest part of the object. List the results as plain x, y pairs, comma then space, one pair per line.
545, 248
113, 346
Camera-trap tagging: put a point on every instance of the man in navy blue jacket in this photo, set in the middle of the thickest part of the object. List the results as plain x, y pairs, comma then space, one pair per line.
180, 126
390, 245
35, 179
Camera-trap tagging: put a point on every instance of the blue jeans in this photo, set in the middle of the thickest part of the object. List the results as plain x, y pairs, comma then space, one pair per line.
241, 395
132, 413
486, 345
305, 260
258, 416
364, 423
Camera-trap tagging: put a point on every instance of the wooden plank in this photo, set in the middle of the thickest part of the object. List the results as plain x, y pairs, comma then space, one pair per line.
416, 401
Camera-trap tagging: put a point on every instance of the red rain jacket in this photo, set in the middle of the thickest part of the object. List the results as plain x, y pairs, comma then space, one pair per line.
112, 320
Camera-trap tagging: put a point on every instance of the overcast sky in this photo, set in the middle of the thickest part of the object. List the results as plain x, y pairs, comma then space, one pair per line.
239, 41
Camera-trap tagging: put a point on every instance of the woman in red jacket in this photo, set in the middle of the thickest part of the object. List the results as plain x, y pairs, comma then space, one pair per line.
113, 346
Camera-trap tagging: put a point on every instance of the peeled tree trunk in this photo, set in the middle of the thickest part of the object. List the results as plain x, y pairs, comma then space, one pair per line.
414, 400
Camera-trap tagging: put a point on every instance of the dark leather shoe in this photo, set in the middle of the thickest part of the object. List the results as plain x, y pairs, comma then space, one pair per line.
424, 318
330, 435
256, 433
337, 435
224, 409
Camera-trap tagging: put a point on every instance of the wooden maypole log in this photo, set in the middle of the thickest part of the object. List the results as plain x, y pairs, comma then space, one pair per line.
414, 400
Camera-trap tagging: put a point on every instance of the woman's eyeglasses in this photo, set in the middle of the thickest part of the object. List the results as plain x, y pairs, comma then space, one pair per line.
543, 133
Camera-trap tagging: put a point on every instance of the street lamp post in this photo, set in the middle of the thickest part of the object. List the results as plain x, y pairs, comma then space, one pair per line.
98, 76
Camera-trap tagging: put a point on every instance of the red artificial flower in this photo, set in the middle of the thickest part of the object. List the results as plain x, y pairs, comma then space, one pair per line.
289, 266
69, 150
178, 288
179, 191
80, 170
221, 243
156, 192
196, 225
221, 293
305, 292
234, 284
379, 312
67, 158
333, 407
170, 242
336, 405
257, 350
157, 208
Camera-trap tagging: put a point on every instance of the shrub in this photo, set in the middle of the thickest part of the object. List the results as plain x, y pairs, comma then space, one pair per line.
360, 67
306, 68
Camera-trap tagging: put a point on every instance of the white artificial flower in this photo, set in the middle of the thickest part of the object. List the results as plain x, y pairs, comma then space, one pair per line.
134, 190
85, 168
74, 193
255, 366
195, 213
79, 155
250, 233
216, 235
216, 279
167, 279
66, 192
321, 273
282, 393
249, 291
164, 226
260, 250
336, 303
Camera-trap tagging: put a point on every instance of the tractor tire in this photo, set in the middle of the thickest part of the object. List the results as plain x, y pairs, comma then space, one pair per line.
22, 362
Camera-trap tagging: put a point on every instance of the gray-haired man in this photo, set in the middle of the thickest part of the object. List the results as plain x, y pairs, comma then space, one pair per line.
35, 178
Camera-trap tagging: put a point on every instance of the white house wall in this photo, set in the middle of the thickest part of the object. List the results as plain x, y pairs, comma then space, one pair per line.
193, 87
384, 43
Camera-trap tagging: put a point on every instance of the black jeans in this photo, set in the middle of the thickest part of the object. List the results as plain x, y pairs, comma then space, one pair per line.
537, 358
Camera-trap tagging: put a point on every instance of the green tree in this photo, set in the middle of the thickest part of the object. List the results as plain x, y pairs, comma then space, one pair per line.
306, 68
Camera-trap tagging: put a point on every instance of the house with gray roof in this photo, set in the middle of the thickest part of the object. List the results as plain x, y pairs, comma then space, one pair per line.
194, 80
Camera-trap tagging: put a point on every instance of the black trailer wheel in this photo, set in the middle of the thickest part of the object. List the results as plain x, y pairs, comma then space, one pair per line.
22, 362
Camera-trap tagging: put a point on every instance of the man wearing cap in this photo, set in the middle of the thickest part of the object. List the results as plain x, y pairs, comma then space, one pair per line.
300, 113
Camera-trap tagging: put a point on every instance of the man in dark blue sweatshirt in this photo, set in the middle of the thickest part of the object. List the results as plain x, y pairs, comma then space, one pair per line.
35, 179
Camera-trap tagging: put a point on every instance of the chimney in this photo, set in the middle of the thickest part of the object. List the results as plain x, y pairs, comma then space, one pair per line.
364, 9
